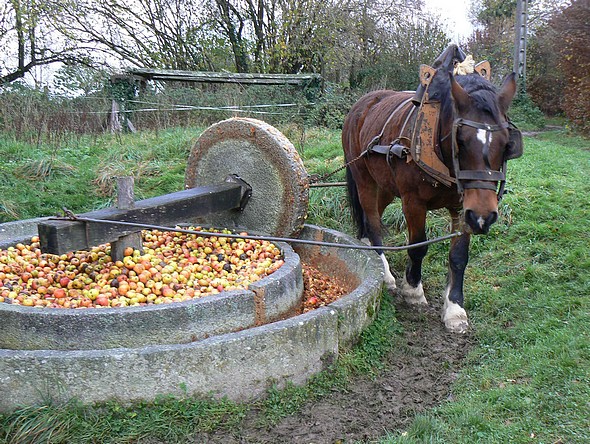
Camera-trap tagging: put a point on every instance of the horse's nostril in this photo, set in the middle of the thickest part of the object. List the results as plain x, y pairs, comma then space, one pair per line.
492, 218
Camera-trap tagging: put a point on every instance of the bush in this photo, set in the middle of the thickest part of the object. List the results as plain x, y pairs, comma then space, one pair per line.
332, 108
32, 115
525, 114
571, 31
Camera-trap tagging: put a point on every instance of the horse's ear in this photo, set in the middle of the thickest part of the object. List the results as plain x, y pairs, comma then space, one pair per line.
459, 95
507, 92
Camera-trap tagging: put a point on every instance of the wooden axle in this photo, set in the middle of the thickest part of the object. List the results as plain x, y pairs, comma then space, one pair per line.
63, 236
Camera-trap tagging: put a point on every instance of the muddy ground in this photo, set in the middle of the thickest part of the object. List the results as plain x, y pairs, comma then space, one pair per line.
417, 377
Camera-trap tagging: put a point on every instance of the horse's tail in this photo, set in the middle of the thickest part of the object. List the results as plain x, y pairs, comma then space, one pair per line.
358, 214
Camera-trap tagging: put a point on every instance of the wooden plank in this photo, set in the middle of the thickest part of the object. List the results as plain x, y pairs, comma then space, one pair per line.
59, 237
425, 138
223, 77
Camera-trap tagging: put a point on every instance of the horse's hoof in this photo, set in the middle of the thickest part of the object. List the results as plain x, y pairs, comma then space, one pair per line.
455, 318
388, 278
390, 285
412, 295
457, 326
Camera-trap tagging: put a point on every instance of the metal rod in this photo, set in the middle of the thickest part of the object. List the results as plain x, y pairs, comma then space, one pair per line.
266, 238
327, 184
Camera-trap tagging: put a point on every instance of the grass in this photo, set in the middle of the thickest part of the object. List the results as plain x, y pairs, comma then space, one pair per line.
165, 419
79, 173
527, 293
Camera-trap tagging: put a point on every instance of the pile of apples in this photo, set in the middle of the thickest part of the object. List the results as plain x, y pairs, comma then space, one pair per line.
173, 267
320, 288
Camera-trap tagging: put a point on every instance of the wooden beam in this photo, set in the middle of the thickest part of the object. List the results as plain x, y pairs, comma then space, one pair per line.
222, 77
61, 236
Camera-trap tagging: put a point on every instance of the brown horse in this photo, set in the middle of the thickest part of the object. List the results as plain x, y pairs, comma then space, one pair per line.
474, 141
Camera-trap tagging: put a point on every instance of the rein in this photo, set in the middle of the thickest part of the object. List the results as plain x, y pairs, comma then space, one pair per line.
372, 147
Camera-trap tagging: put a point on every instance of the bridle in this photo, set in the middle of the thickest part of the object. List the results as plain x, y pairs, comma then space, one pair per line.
482, 179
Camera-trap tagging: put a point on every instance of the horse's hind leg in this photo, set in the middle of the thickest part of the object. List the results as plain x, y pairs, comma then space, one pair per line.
411, 288
371, 229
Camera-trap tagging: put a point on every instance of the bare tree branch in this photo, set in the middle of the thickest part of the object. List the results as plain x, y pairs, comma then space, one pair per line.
26, 40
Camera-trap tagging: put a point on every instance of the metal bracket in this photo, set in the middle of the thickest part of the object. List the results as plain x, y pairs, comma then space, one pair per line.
246, 189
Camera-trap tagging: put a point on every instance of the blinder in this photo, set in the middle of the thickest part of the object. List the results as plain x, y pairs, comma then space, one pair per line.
486, 179
515, 145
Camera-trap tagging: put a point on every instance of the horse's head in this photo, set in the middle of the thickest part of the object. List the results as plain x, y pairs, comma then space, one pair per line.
482, 143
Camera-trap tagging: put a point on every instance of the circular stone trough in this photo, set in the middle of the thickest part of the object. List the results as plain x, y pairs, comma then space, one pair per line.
275, 297
132, 354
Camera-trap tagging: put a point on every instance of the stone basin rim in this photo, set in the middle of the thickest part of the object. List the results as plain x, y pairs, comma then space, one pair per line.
275, 296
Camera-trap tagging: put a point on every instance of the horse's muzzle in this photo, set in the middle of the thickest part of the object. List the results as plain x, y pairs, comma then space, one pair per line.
480, 224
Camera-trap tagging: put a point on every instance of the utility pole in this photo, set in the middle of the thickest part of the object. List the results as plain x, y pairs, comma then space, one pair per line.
520, 29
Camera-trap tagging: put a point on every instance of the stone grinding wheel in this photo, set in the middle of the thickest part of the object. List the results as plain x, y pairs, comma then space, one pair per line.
264, 158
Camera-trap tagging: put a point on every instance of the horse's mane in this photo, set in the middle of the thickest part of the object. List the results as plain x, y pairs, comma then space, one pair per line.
483, 94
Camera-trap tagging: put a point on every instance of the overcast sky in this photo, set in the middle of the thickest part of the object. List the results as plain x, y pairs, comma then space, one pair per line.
454, 14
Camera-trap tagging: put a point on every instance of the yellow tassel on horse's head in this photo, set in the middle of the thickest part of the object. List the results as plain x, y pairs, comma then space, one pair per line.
465, 67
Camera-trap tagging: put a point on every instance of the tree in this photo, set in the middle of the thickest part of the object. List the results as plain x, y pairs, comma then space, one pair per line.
545, 81
74, 80
28, 40
146, 33
304, 35
572, 28
338, 38
389, 42
233, 21
493, 37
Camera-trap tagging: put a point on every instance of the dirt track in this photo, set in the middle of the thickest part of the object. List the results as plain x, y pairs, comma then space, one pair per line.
417, 376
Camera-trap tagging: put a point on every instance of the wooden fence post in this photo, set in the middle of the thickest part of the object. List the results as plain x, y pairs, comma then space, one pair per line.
126, 201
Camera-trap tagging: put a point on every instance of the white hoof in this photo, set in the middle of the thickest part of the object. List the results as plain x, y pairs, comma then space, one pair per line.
412, 295
388, 278
454, 317
390, 283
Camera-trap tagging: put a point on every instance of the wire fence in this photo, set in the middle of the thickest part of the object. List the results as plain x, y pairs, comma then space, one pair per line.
34, 116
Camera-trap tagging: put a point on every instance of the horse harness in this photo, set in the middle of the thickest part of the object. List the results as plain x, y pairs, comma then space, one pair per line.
424, 149
483, 179
395, 148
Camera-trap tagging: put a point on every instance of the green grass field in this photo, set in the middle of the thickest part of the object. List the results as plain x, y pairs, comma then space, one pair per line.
527, 380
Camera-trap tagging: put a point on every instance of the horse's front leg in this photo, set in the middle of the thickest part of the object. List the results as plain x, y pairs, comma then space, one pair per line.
411, 287
454, 315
